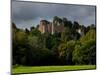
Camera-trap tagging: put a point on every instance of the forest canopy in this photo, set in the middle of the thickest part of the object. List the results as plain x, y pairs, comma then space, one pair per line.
30, 47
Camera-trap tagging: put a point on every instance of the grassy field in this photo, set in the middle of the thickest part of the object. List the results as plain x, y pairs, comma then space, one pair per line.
36, 69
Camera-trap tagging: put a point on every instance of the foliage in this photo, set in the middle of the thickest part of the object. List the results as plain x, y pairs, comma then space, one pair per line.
85, 53
91, 34
69, 47
65, 52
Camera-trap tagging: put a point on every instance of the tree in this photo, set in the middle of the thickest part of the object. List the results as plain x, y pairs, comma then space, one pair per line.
91, 34
65, 36
35, 32
65, 52
85, 53
27, 31
14, 31
30, 47
64, 19
19, 47
92, 26
67, 23
14, 26
75, 25
56, 18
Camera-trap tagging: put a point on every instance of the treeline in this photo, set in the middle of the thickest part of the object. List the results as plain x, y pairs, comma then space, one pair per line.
70, 47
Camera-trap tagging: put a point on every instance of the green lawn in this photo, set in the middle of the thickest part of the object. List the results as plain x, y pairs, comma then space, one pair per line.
36, 69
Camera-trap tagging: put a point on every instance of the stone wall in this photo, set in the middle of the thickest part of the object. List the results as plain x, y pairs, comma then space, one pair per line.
51, 28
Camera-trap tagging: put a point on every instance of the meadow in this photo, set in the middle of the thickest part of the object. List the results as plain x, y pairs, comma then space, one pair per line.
40, 69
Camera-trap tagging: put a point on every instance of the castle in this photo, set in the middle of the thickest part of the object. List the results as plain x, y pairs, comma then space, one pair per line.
51, 27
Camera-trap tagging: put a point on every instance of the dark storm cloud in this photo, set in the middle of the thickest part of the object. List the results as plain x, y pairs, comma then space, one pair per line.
26, 14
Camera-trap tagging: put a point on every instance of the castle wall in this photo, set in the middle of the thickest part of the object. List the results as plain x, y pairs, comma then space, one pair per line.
51, 28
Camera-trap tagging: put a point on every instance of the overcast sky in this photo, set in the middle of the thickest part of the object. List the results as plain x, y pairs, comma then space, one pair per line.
27, 14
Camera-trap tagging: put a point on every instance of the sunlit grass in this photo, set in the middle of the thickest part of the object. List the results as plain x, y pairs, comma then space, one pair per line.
36, 69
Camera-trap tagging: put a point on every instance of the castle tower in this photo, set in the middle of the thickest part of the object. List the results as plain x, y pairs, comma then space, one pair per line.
48, 27
52, 29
